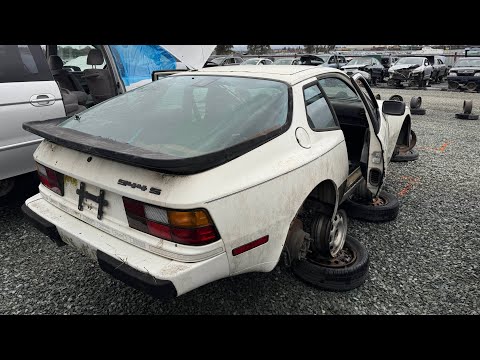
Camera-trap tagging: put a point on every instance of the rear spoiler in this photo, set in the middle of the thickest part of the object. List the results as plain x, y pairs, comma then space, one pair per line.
158, 74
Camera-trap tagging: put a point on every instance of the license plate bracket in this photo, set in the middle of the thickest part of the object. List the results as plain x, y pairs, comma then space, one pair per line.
100, 199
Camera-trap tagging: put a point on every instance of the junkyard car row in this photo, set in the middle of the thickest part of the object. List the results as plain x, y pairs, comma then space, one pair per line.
225, 170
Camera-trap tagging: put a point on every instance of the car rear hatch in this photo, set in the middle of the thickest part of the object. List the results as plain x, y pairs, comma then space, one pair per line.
129, 203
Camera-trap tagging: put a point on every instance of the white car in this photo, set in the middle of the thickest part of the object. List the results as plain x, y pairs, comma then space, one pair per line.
287, 61
257, 61
204, 175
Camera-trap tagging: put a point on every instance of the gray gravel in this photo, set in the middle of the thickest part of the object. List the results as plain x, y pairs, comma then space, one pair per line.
424, 262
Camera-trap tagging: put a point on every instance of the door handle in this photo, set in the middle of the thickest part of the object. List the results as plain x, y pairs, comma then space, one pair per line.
42, 100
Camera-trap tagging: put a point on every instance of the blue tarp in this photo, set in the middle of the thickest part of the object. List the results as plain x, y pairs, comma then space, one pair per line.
137, 62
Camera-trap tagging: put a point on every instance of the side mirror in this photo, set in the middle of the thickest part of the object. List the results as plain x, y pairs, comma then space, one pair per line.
393, 107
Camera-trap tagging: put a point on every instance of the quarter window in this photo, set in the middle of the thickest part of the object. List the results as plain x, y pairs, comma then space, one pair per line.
319, 115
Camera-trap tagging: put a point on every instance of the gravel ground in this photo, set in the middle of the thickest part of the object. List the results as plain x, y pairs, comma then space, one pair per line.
424, 262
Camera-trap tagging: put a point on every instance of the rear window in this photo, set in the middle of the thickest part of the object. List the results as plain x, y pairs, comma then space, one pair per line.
23, 63
188, 116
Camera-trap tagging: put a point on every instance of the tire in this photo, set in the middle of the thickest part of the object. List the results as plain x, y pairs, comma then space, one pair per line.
336, 278
415, 102
467, 106
418, 111
466, 116
396, 98
6, 186
370, 213
453, 85
409, 155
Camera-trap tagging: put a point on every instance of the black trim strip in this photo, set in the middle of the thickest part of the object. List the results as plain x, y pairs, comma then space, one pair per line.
162, 289
42, 225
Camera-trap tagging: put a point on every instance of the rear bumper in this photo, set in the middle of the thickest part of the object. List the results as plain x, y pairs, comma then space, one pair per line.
143, 270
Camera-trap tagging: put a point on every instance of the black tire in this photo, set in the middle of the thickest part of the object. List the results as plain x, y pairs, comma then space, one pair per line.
396, 98
336, 278
409, 155
467, 106
466, 116
370, 213
418, 111
453, 85
415, 102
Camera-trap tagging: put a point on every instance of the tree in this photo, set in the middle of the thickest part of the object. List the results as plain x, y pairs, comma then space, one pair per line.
223, 49
318, 48
258, 49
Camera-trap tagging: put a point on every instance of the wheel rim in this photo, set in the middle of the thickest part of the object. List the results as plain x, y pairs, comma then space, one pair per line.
345, 258
338, 233
378, 201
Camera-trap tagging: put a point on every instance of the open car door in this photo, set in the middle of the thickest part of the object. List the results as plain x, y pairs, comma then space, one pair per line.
374, 155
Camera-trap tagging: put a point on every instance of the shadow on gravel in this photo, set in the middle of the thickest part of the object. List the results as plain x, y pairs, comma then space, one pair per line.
25, 186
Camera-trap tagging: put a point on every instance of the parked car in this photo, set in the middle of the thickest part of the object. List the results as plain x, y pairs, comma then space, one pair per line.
35, 87
257, 61
333, 60
224, 61
287, 61
159, 203
440, 70
465, 73
416, 70
369, 65
311, 59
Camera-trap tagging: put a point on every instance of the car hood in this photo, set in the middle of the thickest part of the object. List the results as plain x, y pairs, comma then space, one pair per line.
467, 68
193, 56
404, 66
354, 66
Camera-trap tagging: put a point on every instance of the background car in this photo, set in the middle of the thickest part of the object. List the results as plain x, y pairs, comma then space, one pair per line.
333, 60
311, 59
286, 61
417, 70
369, 65
257, 61
465, 73
223, 61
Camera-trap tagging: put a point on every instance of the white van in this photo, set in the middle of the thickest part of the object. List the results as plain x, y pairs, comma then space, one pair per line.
62, 80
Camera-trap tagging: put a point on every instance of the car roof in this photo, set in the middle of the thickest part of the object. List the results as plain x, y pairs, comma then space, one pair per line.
291, 74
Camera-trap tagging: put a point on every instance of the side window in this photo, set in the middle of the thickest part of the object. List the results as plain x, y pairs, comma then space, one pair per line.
74, 57
376, 62
238, 60
426, 62
23, 63
319, 115
336, 89
440, 62
332, 60
341, 59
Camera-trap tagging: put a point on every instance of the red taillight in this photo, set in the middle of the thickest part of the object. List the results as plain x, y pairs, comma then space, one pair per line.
197, 227
51, 179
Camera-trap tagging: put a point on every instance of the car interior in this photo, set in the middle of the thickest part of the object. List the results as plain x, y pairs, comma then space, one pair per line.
90, 85
351, 115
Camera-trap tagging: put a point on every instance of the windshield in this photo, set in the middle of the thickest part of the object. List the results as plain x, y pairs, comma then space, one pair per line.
361, 61
250, 62
325, 58
217, 60
283, 61
467, 63
187, 116
410, 61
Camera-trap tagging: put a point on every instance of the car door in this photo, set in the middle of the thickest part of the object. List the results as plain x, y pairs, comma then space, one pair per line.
428, 68
28, 92
377, 68
377, 144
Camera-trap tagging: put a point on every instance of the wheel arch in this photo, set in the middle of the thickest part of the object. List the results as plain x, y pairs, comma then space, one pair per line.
404, 135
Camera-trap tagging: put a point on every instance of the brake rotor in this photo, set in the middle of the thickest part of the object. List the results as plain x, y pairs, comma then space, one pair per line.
345, 258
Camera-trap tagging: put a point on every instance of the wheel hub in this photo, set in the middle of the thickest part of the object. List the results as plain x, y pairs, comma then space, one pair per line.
344, 258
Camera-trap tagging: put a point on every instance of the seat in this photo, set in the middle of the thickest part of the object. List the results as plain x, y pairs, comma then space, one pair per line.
65, 79
70, 102
99, 81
